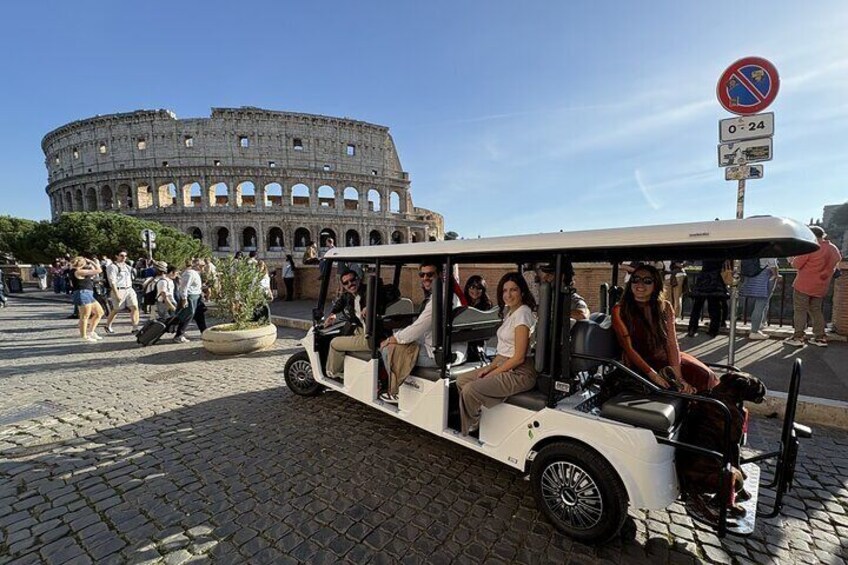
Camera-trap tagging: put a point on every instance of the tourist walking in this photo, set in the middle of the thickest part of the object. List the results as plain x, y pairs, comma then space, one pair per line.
757, 283
40, 273
288, 278
82, 275
191, 289
710, 288
810, 287
120, 282
57, 275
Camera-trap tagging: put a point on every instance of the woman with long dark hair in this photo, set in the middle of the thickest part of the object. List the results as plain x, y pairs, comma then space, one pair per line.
644, 324
475, 293
512, 371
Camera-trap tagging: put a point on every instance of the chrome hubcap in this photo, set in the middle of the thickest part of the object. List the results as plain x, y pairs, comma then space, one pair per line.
572, 495
301, 374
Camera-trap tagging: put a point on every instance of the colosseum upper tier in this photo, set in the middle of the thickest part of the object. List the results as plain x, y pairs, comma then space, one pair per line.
243, 179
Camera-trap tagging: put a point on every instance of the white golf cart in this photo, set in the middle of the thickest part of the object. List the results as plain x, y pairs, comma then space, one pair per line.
588, 459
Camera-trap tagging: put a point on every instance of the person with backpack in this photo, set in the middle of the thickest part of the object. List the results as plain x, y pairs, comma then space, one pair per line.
757, 283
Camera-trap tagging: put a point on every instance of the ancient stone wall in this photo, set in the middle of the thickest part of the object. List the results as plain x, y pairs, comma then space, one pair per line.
243, 179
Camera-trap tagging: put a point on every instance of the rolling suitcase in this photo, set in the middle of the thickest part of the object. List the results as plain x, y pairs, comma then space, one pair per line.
150, 332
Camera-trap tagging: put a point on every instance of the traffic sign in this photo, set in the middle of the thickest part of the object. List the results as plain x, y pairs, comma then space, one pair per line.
748, 86
742, 172
746, 127
744, 152
148, 235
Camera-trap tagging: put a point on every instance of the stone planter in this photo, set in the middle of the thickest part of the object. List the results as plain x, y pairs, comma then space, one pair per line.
238, 341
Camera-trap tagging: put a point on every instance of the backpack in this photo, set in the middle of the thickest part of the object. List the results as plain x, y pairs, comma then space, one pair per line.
751, 268
149, 292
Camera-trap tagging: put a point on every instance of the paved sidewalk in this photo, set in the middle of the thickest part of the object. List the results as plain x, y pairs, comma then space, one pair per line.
113, 453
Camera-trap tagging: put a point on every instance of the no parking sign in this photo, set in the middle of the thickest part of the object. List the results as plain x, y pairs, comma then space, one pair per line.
748, 86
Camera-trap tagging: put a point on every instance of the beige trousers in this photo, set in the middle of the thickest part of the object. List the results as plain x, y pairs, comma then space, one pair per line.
338, 347
805, 305
474, 392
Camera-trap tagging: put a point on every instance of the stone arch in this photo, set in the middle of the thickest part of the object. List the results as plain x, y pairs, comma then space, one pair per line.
245, 194
302, 237
125, 199
326, 196
193, 195
79, 206
222, 239
398, 237
300, 195
352, 238
375, 238
91, 199
351, 198
195, 233
144, 198
326, 234
167, 195
69, 202
276, 241
219, 194
375, 200
394, 202
273, 194
107, 199
249, 240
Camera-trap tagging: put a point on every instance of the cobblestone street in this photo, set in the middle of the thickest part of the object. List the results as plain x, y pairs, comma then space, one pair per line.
113, 453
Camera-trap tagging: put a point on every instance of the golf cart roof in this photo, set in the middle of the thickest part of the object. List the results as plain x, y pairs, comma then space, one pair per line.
724, 239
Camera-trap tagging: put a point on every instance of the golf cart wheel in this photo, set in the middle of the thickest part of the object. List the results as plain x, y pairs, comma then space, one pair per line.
298, 374
579, 492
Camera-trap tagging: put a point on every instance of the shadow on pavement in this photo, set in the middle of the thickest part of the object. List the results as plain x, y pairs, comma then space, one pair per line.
261, 475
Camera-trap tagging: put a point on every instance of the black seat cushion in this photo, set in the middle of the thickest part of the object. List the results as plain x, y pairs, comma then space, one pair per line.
531, 400
434, 373
363, 355
656, 413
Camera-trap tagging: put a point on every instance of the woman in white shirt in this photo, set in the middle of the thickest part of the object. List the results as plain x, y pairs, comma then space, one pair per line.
512, 371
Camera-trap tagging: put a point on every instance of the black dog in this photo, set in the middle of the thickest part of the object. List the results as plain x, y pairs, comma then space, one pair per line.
704, 427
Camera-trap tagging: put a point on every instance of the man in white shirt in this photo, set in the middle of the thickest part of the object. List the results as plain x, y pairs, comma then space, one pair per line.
420, 331
120, 277
191, 290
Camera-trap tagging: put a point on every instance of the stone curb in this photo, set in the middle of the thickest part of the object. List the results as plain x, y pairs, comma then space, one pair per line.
810, 410
294, 323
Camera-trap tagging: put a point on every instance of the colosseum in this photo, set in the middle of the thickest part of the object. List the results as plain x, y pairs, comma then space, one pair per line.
244, 179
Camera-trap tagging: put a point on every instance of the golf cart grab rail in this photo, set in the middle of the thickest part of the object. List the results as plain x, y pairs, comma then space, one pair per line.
724, 479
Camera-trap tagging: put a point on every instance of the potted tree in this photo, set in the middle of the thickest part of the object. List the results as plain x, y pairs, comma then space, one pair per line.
238, 295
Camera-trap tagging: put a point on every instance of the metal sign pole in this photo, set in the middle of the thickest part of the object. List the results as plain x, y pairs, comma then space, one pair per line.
147, 244
734, 287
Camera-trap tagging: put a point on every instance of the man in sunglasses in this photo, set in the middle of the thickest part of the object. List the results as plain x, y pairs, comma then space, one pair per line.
120, 277
397, 360
350, 307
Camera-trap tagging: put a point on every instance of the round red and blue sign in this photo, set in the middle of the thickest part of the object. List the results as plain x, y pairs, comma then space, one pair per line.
748, 86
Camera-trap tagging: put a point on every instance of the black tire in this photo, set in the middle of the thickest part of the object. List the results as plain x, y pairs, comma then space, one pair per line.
579, 492
298, 375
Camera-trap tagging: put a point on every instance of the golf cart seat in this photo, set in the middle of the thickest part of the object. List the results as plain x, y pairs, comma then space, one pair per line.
361, 355
595, 338
656, 413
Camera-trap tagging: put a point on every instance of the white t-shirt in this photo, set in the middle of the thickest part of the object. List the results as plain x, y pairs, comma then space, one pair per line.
190, 283
523, 316
165, 285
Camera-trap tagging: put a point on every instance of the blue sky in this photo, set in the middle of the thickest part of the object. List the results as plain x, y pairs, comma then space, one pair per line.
511, 117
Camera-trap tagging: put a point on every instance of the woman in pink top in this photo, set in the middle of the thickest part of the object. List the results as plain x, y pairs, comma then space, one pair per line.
814, 273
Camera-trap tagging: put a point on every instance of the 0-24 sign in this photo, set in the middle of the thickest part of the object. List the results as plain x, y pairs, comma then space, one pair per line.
746, 127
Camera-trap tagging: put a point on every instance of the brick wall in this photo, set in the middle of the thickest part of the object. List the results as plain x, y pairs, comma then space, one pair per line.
587, 276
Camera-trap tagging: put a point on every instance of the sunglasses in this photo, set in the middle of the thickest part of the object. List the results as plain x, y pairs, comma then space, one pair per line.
475, 287
349, 282
426, 274
642, 280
